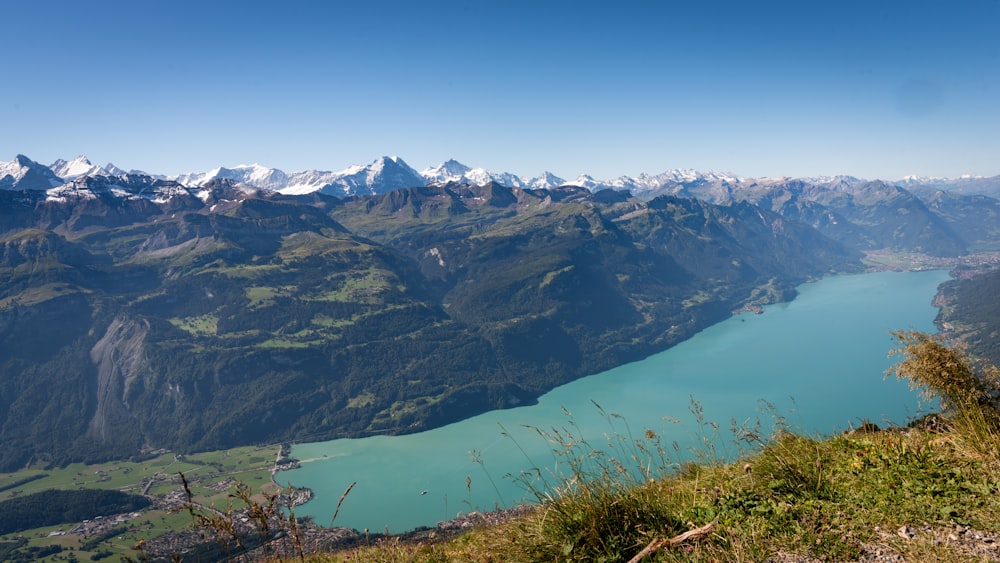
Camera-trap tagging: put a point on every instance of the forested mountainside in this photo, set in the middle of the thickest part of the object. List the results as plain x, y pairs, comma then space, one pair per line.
970, 312
138, 314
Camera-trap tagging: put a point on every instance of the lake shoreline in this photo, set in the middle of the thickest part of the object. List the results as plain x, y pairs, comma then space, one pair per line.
394, 470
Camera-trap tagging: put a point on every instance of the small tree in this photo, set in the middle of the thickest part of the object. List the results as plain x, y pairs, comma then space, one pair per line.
967, 390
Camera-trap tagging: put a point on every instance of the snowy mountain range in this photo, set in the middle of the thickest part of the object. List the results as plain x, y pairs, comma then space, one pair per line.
80, 166
390, 173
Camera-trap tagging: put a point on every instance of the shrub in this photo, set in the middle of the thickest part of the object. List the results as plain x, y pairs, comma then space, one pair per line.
967, 391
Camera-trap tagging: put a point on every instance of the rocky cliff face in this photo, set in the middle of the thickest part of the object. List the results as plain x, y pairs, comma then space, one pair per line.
120, 359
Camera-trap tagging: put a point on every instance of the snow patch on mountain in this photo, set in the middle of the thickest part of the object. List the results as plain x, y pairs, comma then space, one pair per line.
308, 182
255, 175
456, 172
385, 174
79, 166
22, 173
450, 170
546, 181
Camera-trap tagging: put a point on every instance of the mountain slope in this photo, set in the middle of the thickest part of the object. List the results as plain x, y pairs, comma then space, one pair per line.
863, 215
970, 312
201, 318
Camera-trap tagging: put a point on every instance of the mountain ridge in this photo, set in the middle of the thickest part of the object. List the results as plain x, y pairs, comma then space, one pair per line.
369, 179
137, 312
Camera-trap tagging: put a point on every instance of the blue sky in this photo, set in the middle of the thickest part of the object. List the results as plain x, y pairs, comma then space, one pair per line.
757, 88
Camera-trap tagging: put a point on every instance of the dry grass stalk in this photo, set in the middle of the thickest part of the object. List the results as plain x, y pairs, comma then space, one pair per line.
341, 501
968, 394
660, 543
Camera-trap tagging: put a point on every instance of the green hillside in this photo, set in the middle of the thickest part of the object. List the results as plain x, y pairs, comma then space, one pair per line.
970, 311
240, 317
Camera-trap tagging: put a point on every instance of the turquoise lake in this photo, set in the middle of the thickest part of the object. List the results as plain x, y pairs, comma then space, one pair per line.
819, 360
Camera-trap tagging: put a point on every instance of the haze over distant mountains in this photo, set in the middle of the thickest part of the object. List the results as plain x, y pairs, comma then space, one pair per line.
386, 174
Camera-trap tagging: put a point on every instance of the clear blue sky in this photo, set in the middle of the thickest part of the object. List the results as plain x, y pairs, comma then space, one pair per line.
868, 88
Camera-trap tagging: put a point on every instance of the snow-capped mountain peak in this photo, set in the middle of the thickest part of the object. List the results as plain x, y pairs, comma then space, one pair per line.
22, 173
448, 171
546, 180
254, 175
454, 171
588, 181
113, 170
384, 174
79, 166
19, 160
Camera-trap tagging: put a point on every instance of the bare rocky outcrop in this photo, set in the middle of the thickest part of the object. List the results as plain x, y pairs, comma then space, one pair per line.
120, 360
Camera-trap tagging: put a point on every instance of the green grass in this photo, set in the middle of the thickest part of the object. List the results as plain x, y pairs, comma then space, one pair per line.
148, 525
699, 298
261, 296
248, 271
247, 463
205, 471
325, 321
360, 401
401, 408
36, 295
361, 286
287, 343
197, 326
551, 276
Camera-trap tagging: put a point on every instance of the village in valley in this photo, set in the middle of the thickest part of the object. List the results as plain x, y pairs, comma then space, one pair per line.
181, 489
